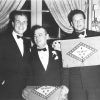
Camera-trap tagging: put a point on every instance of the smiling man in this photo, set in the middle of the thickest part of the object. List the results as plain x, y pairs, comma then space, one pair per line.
77, 20
14, 54
84, 82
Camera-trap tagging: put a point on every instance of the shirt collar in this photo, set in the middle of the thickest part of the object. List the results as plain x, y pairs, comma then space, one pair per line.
83, 36
15, 34
46, 46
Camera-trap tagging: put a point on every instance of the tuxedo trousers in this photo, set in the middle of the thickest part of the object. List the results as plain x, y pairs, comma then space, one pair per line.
84, 83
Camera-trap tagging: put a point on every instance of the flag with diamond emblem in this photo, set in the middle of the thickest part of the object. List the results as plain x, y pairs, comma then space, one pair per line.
81, 52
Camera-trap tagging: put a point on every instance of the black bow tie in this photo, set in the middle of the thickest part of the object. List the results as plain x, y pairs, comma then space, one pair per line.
19, 37
43, 49
82, 33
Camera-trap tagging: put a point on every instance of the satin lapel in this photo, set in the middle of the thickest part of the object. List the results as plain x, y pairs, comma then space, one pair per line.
14, 46
50, 61
88, 33
36, 59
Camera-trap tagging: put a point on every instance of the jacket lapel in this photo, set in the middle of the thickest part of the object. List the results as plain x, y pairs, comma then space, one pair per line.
14, 46
36, 62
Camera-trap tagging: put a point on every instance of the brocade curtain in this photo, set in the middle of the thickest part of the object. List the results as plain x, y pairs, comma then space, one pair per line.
61, 8
6, 6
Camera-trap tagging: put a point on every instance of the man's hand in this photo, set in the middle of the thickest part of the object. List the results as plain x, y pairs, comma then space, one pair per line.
56, 45
26, 92
64, 93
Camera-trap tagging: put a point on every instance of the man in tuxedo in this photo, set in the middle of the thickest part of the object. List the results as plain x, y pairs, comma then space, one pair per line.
84, 82
14, 58
46, 62
77, 20
46, 68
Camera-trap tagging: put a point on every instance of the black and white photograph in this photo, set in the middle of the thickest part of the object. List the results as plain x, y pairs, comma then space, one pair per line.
49, 49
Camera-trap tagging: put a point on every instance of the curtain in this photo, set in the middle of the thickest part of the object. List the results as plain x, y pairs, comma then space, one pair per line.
61, 8
6, 6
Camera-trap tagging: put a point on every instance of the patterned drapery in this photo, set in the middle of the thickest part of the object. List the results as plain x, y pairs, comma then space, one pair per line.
6, 6
61, 8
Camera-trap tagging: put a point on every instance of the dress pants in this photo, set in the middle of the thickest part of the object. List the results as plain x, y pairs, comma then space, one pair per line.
84, 83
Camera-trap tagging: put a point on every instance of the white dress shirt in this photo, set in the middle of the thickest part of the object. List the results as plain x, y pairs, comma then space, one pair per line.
83, 36
44, 57
19, 42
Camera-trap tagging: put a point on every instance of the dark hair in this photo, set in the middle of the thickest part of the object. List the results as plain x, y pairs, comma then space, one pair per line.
74, 12
35, 27
12, 18
15, 13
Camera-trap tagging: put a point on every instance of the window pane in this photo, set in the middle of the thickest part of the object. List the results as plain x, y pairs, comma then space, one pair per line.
27, 5
44, 6
49, 22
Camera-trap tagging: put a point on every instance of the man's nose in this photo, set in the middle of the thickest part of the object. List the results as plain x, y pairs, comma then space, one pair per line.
78, 22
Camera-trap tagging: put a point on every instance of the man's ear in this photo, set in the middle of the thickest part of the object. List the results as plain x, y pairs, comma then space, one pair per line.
47, 36
12, 24
71, 24
85, 23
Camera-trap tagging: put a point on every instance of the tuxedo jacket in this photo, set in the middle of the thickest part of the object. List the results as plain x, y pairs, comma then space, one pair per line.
89, 33
13, 67
84, 82
53, 74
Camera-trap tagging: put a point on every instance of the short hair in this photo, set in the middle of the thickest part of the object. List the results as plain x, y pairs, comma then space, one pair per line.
14, 13
35, 27
74, 12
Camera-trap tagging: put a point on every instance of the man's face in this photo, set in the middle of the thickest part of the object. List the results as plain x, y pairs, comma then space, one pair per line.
40, 37
20, 24
78, 22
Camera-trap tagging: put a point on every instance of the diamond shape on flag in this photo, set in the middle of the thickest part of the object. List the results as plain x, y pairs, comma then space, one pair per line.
45, 91
82, 52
